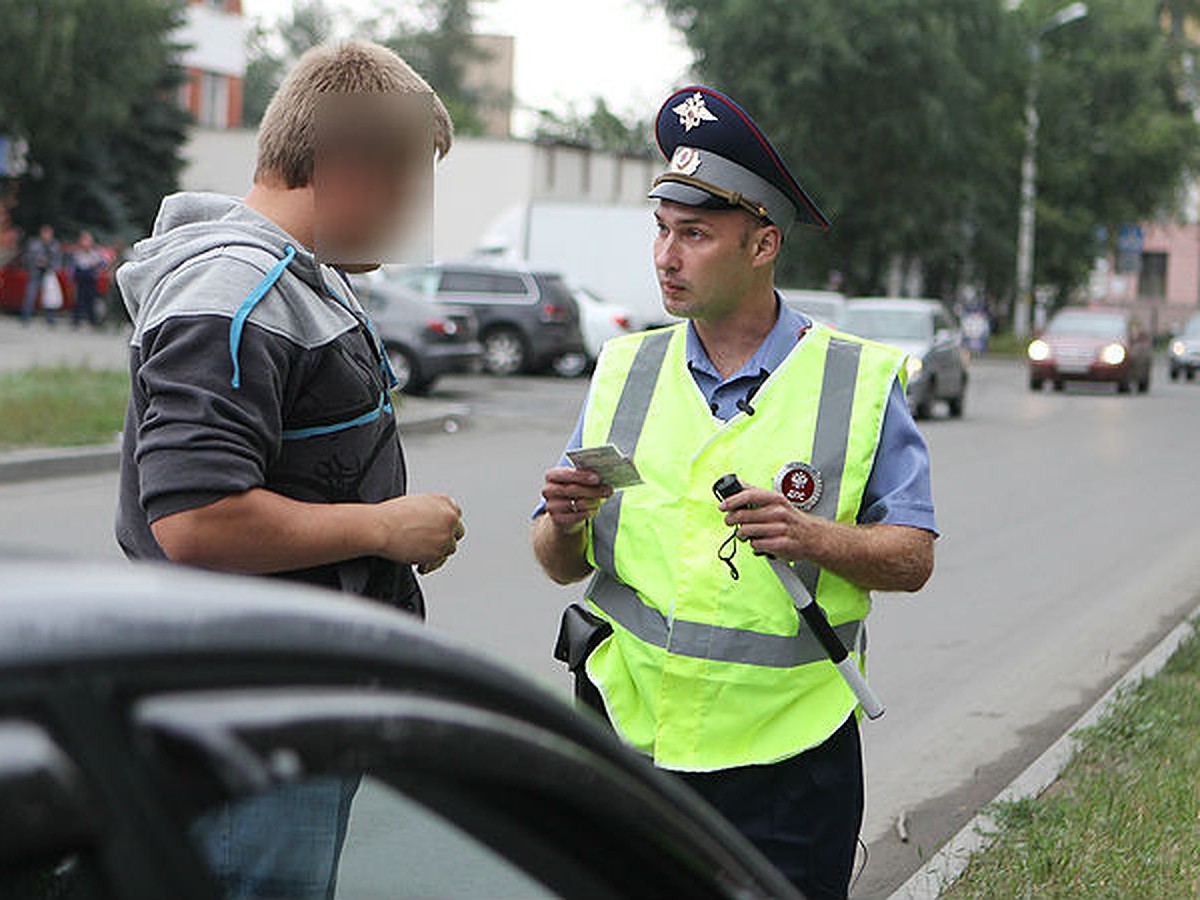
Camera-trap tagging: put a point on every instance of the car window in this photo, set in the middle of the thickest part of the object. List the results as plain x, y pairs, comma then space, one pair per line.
1193, 327
1069, 324
359, 836
943, 321
889, 324
469, 282
331, 792
423, 281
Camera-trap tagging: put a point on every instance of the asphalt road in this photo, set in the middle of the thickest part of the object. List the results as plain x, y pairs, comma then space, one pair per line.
1069, 547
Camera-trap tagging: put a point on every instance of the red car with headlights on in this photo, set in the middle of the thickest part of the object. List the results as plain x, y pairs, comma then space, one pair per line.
1092, 345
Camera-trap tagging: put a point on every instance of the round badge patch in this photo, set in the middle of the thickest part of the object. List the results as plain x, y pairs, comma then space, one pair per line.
800, 483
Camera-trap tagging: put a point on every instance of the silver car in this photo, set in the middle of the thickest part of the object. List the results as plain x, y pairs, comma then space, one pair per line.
424, 339
932, 338
826, 307
1185, 351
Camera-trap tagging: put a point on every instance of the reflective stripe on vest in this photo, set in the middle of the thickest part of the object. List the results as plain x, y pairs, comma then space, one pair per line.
626, 431
711, 641
696, 639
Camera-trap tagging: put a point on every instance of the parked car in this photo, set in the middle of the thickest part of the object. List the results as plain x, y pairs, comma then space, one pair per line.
425, 340
527, 319
826, 307
931, 336
1185, 350
1092, 345
141, 707
599, 321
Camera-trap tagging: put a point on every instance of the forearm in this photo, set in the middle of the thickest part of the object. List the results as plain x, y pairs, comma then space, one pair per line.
261, 532
877, 557
562, 554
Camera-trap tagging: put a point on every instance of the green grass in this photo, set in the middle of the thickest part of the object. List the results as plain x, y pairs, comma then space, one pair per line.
1005, 343
61, 407
1123, 820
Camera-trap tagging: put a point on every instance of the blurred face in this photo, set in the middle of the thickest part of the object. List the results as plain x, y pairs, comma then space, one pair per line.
85, 240
372, 175
707, 260
46, 233
364, 205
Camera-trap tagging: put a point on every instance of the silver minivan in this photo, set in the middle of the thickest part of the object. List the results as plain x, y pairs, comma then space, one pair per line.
931, 336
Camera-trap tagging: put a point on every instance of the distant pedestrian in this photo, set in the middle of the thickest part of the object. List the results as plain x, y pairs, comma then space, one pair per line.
87, 264
43, 256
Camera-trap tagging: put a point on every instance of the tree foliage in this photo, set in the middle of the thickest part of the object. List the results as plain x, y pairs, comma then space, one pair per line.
600, 129
905, 118
435, 37
97, 105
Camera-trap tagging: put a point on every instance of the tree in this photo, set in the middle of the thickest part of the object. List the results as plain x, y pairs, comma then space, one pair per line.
1118, 135
436, 38
441, 47
95, 105
601, 129
905, 119
883, 109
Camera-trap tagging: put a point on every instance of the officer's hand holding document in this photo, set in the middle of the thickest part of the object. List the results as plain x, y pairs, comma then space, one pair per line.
614, 468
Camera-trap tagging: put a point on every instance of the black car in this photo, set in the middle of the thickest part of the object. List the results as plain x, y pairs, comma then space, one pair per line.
141, 707
526, 319
425, 339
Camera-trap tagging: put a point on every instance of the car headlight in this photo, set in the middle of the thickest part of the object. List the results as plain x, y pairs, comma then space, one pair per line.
913, 366
1039, 351
1113, 355
1179, 348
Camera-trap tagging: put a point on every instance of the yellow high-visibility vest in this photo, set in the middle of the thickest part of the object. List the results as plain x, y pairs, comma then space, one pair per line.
704, 672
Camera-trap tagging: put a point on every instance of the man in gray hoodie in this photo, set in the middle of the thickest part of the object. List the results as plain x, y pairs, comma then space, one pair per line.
260, 437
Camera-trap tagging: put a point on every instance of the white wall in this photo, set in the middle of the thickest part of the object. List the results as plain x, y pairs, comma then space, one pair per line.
216, 39
476, 184
219, 160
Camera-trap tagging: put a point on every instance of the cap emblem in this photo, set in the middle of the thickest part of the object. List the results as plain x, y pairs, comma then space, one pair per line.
692, 112
686, 160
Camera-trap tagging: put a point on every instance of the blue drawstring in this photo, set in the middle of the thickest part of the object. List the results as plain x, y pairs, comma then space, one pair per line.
239, 318
385, 364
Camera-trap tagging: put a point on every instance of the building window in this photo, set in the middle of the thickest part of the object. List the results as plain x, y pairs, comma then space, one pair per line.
1152, 283
214, 101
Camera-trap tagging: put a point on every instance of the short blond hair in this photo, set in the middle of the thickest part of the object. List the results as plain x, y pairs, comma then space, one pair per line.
287, 138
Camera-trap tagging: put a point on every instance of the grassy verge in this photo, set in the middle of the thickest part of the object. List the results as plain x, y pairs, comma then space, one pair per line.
61, 407
1124, 818
1006, 344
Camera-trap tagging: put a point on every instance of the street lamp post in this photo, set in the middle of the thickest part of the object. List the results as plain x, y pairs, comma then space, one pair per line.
1027, 221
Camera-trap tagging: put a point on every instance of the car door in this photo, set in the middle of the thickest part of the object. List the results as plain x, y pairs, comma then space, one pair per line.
446, 799
62, 840
947, 351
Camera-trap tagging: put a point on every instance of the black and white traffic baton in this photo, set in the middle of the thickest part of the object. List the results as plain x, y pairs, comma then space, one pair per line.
728, 486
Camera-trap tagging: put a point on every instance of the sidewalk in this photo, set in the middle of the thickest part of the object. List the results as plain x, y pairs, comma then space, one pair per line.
38, 344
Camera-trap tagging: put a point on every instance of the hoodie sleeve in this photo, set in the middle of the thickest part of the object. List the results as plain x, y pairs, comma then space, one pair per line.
199, 438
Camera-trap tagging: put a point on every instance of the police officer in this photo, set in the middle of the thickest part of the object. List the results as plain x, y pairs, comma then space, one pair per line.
714, 676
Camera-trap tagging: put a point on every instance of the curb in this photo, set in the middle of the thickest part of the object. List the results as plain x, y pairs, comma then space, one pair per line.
951, 860
35, 465
65, 462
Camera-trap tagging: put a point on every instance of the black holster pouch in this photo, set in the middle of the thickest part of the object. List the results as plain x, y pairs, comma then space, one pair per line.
579, 634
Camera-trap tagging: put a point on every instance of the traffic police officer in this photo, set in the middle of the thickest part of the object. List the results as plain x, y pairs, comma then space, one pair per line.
701, 662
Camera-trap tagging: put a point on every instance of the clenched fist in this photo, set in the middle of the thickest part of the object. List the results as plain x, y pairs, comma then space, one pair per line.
423, 530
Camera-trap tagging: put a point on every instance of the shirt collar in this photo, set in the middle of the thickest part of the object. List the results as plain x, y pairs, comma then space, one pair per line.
789, 327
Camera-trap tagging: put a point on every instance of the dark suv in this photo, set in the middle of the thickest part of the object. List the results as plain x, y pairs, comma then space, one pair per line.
526, 319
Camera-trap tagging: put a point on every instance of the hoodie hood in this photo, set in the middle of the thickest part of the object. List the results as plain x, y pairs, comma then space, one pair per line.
192, 224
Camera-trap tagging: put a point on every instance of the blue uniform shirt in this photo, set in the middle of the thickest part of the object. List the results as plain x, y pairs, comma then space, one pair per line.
898, 492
